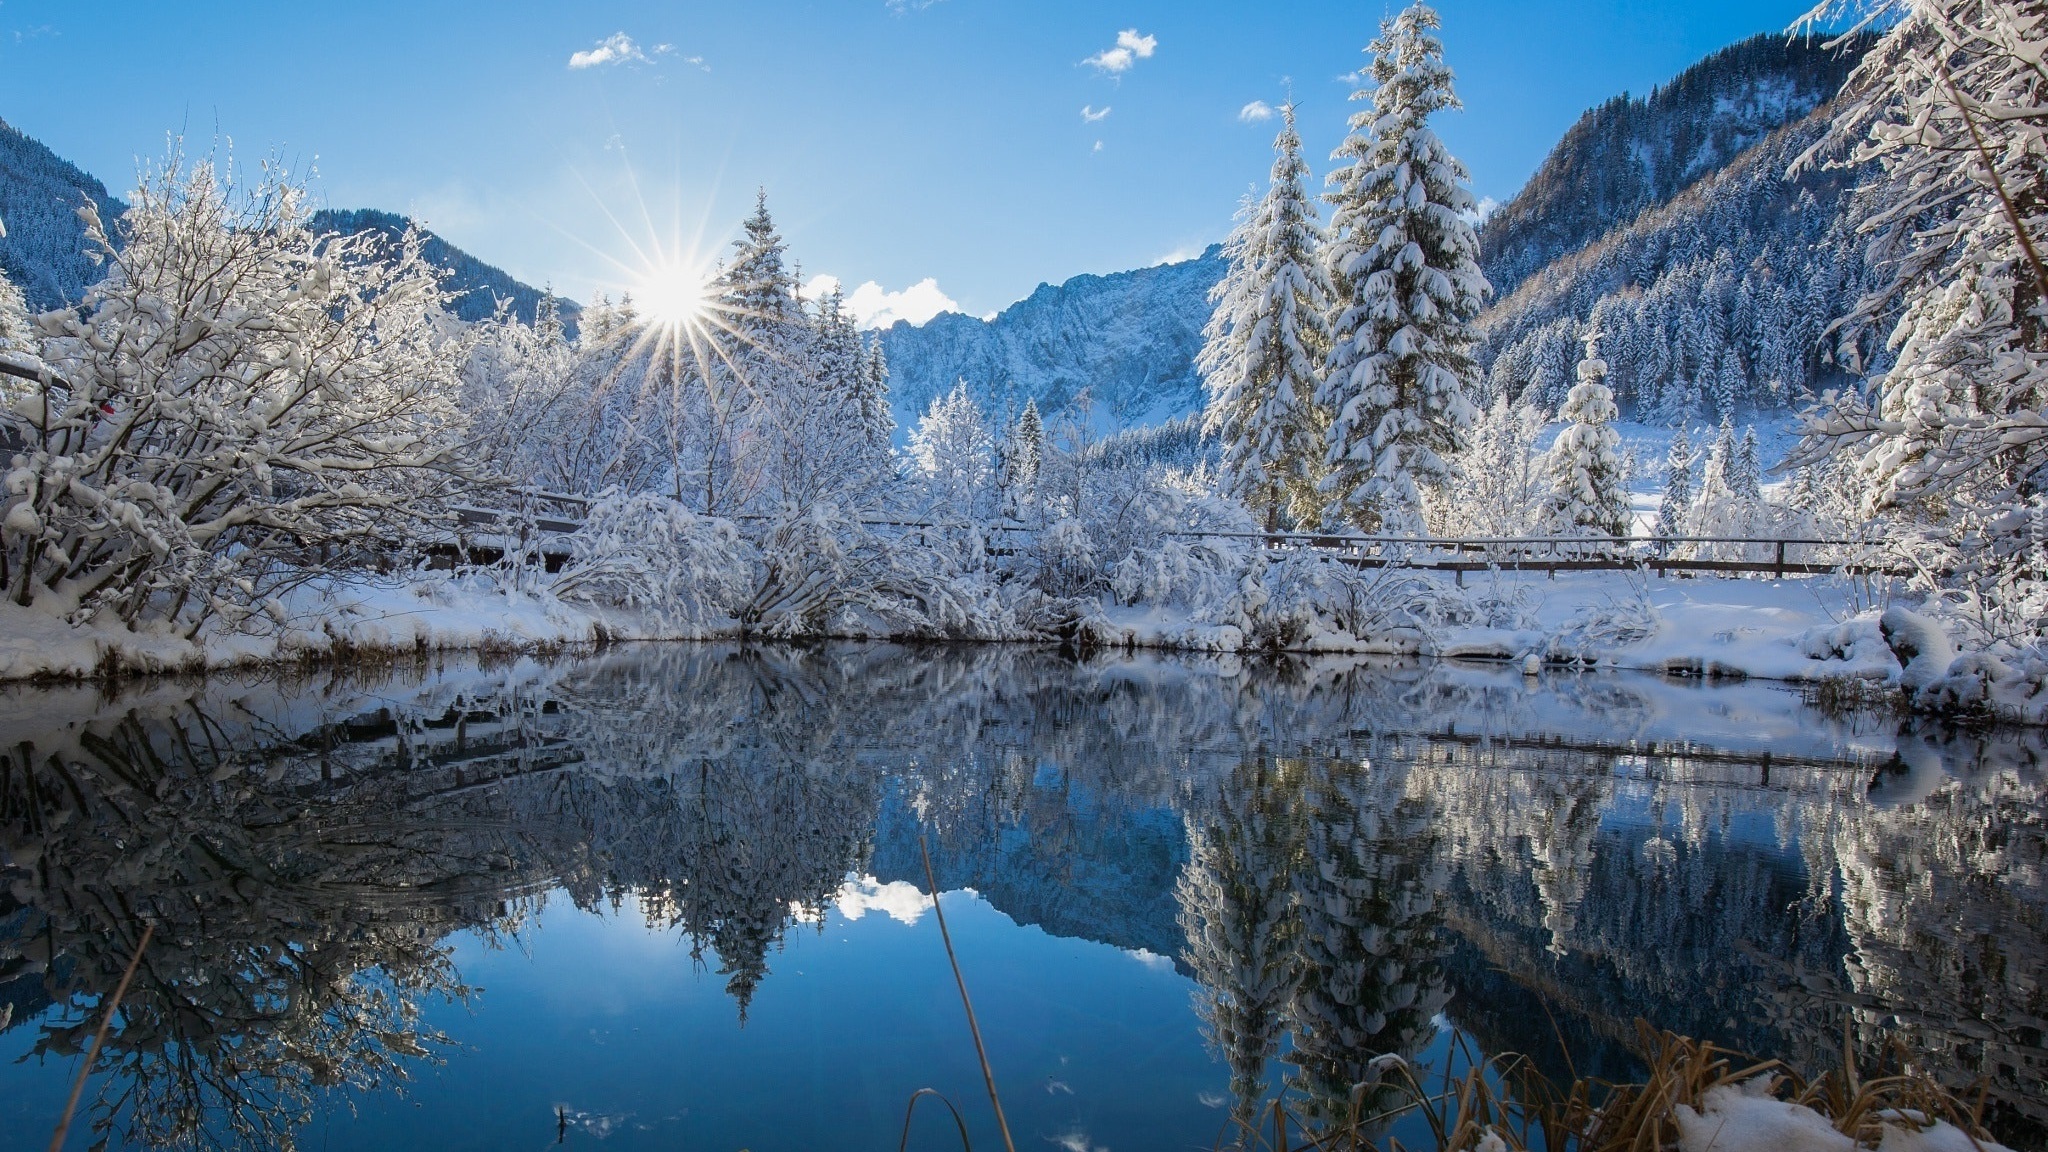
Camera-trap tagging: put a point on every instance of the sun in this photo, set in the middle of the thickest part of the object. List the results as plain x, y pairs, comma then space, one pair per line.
676, 297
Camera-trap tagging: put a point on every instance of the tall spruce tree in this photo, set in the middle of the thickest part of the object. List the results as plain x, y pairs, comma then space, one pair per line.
1675, 512
1266, 342
877, 420
1588, 481
1404, 262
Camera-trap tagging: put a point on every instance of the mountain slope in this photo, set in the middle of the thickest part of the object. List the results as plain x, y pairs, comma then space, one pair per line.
44, 249
480, 285
1131, 338
1716, 302
1630, 154
1128, 339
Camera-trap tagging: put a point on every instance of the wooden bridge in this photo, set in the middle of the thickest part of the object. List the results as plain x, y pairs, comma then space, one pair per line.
482, 535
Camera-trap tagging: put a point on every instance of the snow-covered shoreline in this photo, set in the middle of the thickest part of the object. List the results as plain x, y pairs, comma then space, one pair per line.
1797, 630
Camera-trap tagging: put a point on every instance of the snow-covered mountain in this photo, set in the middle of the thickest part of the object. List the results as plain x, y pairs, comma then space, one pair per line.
44, 249
1632, 154
1128, 340
1619, 209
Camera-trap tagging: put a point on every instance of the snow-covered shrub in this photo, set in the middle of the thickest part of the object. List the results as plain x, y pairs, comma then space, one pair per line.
1127, 531
1311, 602
1200, 574
239, 402
1501, 487
1601, 628
651, 554
827, 571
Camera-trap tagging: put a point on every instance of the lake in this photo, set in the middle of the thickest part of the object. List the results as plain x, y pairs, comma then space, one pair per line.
674, 896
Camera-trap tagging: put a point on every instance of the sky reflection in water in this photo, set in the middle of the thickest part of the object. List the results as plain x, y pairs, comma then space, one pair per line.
1175, 886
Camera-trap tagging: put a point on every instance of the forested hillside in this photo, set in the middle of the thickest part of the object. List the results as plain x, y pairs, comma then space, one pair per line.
44, 249
1714, 302
1631, 154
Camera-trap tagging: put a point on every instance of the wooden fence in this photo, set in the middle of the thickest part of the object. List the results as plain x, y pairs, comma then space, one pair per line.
482, 535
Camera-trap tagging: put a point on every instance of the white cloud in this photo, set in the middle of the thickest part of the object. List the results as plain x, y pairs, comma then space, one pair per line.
1130, 48
1092, 115
1353, 79
619, 48
1486, 207
873, 306
901, 6
898, 900
1254, 111
1098, 146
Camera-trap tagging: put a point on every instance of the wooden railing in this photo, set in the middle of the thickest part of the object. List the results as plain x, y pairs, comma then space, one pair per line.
559, 514
1578, 553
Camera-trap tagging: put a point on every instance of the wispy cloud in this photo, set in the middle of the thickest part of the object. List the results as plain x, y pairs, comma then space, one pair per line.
873, 306
1098, 146
1486, 207
901, 6
1255, 111
1130, 48
1090, 114
619, 48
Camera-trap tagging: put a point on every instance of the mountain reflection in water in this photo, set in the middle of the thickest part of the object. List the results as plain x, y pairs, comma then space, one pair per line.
1340, 861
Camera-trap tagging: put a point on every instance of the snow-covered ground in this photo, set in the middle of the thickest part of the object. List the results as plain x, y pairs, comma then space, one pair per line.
1800, 629
1793, 629
328, 618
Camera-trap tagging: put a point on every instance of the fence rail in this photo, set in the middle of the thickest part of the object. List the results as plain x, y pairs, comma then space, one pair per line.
554, 513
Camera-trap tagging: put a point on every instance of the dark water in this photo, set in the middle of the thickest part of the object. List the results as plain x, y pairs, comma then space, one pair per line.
672, 897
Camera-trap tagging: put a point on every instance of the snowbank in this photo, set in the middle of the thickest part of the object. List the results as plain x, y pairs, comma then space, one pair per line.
331, 617
1747, 1118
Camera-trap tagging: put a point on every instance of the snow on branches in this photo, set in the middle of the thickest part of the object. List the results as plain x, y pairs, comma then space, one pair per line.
1404, 260
1266, 341
1588, 482
1952, 105
240, 400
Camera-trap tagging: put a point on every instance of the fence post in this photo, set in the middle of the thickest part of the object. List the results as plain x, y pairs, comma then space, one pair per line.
1781, 560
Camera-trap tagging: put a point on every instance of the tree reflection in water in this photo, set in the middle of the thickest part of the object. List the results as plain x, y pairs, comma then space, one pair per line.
1338, 853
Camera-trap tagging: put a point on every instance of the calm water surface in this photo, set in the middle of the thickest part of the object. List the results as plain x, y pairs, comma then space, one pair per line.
672, 896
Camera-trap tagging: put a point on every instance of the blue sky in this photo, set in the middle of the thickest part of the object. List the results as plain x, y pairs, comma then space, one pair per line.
957, 140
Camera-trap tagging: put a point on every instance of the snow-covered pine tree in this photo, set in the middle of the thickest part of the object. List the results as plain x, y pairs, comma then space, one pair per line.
878, 422
600, 320
954, 452
1265, 345
1745, 476
17, 343
1588, 482
800, 413
547, 319
14, 324
1024, 458
1720, 459
1674, 513
1952, 104
1403, 261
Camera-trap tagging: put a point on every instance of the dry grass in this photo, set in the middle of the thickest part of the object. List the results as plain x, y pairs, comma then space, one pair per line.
1505, 1105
